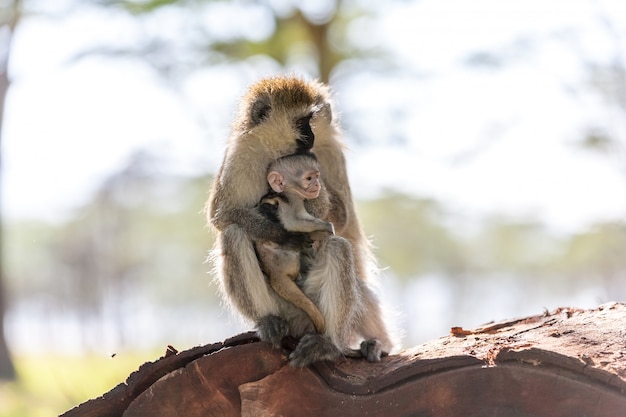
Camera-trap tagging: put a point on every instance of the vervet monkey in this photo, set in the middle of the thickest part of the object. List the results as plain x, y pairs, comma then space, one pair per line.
277, 117
293, 179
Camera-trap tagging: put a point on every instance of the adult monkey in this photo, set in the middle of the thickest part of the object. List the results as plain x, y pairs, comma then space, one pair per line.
277, 117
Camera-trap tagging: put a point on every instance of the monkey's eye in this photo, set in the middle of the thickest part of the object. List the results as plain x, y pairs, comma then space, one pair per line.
303, 123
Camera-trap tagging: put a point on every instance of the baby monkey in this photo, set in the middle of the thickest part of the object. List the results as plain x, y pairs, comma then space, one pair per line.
293, 179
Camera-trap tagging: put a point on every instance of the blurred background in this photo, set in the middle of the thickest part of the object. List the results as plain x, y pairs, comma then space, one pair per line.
487, 156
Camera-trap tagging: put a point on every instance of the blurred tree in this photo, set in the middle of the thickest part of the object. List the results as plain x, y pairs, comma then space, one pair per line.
593, 252
603, 77
602, 249
142, 232
598, 255
513, 247
416, 238
10, 12
609, 81
313, 35
411, 236
139, 240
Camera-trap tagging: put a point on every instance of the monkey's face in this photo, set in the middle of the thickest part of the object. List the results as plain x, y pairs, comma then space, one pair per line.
310, 184
280, 112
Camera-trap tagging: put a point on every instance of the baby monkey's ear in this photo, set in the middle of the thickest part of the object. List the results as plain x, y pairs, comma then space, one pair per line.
276, 181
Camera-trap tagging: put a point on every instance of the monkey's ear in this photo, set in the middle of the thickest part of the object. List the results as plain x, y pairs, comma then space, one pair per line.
326, 112
276, 181
260, 110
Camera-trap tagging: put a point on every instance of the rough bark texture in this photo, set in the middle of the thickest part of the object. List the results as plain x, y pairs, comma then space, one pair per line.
566, 363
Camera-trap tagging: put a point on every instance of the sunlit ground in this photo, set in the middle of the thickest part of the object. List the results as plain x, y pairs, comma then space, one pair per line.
49, 385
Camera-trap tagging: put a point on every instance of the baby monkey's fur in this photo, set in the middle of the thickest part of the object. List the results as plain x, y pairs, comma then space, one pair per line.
293, 180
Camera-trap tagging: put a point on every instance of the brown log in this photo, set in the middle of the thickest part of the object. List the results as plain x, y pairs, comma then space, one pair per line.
569, 362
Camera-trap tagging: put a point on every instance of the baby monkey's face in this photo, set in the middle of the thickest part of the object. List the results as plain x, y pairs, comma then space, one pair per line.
310, 184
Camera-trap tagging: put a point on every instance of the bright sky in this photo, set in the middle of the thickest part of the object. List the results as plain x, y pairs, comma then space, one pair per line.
69, 125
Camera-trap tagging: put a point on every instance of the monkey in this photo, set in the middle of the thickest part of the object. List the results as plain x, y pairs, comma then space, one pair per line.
293, 179
280, 116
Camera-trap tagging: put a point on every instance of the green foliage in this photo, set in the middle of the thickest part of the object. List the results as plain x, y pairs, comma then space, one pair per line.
140, 230
298, 35
416, 237
410, 236
142, 7
513, 246
52, 384
600, 251
599, 141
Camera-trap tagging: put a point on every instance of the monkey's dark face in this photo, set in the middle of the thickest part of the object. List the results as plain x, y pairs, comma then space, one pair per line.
287, 102
261, 112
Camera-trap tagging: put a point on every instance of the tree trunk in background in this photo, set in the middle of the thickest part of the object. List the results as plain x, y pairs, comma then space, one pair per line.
7, 370
9, 15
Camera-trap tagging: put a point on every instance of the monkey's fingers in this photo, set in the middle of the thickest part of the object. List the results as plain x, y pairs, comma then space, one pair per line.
372, 350
313, 348
353, 353
297, 241
320, 235
272, 329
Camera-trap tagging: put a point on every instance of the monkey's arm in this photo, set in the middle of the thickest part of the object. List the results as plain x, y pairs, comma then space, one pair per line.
301, 221
259, 227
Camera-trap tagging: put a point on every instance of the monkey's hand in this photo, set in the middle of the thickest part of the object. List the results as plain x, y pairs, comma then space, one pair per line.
313, 348
320, 235
272, 329
372, 349
297, 241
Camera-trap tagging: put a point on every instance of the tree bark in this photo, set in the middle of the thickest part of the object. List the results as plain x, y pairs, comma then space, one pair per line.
566, 363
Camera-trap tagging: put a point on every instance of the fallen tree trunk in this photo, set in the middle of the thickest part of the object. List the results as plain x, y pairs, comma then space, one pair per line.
569, 362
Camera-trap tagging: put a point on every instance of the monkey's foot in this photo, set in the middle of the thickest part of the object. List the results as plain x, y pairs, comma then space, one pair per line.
372, 349
272, 329
313, 348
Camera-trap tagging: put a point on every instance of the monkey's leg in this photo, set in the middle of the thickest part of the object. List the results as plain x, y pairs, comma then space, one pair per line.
372, 328
244, 286
287, 288
283, 267
333, 284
